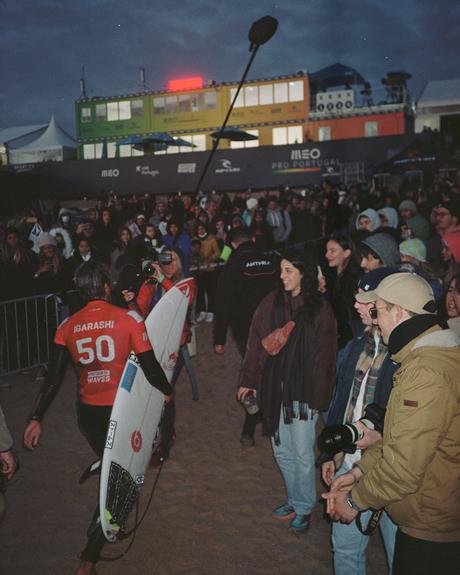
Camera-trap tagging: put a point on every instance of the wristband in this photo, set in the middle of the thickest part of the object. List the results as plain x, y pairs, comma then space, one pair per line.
160, 278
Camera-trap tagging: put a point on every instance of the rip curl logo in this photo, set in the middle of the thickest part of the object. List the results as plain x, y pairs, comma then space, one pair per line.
136, 441
227, 168
171, 361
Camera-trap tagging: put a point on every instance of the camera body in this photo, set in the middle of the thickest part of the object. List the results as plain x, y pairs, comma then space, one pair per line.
336, 438
160, 258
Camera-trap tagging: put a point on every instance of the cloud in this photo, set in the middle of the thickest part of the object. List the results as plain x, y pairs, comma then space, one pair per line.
44, 44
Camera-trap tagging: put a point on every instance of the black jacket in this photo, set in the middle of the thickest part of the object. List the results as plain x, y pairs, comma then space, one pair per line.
248, 276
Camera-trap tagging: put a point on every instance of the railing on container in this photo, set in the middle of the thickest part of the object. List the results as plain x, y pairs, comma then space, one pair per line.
27, 328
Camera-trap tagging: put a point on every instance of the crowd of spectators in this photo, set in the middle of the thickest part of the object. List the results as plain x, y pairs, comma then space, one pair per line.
39, 254
337, 242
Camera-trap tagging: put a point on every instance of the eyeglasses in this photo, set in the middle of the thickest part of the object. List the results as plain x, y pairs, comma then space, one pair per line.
374, 311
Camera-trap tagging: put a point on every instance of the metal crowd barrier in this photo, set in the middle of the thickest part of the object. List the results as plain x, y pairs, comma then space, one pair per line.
27, 328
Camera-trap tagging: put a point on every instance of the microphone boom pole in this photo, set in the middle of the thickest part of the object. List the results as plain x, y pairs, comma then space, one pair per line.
261, 31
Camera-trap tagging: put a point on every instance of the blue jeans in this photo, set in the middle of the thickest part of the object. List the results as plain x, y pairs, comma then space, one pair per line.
349, 544
295, 457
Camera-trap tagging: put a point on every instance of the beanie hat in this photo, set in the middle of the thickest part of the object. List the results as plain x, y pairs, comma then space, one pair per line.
419, 226
414, 248
46, 239
385, 247
408, 205
251, 203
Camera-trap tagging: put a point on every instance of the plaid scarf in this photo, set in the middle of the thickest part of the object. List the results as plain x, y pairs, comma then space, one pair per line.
370, 360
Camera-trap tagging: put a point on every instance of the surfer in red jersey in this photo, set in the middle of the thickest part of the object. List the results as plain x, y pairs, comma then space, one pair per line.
99, 339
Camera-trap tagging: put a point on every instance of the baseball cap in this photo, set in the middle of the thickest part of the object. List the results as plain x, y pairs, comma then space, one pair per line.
370, 280
408, 290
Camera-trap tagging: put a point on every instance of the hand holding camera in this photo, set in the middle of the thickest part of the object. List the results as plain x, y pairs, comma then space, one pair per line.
336, 438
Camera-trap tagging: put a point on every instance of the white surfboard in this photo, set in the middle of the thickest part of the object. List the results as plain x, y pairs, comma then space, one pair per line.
136, 414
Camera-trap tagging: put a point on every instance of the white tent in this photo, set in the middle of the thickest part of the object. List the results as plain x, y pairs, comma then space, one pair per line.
53, 145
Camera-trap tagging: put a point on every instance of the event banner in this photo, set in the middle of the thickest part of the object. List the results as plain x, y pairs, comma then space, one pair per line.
257, 168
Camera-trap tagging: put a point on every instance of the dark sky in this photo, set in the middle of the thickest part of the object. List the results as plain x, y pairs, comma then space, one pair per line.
44, 43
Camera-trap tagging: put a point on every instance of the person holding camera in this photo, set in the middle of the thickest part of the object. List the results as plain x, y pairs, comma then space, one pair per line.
159, 277
413, 471
364, 379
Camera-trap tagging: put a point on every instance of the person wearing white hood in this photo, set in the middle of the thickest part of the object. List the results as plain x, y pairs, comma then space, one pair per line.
368, 220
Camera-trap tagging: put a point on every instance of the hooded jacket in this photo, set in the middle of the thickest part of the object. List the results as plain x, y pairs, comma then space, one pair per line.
372, 215
414, 471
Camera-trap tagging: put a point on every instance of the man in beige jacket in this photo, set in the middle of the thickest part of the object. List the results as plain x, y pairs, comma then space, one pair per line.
414, 471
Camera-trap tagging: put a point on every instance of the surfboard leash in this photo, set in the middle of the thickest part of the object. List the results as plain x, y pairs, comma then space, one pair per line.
137, 523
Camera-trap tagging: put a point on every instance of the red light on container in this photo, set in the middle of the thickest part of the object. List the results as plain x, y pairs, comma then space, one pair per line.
193, 83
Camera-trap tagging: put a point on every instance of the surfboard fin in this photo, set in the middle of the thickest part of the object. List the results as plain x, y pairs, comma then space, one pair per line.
91, 470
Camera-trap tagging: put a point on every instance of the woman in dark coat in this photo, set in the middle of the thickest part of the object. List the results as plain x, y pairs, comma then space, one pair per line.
294, 383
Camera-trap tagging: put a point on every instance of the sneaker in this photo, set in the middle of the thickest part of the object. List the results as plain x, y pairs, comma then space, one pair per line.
300, 523
247, 440
201, 316
284, 512
209, 317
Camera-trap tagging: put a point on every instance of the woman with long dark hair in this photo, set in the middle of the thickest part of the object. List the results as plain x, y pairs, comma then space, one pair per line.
290, 367
341, 285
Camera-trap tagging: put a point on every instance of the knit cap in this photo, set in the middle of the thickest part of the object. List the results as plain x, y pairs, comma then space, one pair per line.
46, 239
251, 203
408, 205
385, 247
414, 248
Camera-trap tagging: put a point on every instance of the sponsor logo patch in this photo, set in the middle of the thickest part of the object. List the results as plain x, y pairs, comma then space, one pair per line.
110, 434
99, 376
171, 361
128, 377
410, 403
136, 441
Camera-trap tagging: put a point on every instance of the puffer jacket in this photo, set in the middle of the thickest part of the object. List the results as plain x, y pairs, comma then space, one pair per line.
414, 471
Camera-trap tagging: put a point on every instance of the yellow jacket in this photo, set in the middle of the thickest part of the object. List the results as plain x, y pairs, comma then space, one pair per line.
414, 471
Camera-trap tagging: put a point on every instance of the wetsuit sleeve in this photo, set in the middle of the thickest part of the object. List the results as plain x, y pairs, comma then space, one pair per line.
144, 298
56, 371
153, 372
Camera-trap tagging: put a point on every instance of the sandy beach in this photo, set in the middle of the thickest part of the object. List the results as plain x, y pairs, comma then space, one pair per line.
210, 514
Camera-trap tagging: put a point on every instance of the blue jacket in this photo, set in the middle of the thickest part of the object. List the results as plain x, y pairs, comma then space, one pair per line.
346, 374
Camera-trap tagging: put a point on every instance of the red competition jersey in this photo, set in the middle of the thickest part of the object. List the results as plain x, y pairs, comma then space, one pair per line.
100, 338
